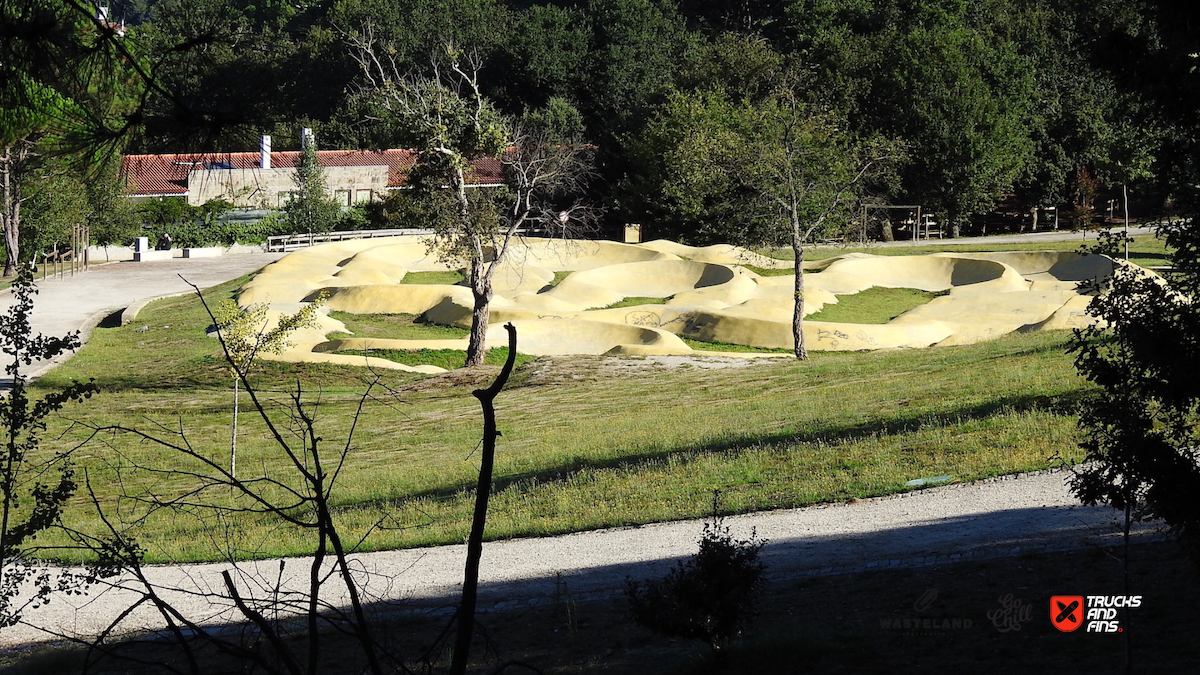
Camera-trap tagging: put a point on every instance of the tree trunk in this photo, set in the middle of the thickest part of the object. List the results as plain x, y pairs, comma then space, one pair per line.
885, 228
481, 290
10, 211
1033, 219
483, 489
233, 432
798, 311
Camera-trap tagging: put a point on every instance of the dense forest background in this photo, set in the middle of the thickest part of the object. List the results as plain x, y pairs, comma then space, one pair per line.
1019, 103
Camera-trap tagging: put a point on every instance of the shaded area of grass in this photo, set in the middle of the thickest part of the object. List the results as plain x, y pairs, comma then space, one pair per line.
874, 305
726, 347
396, 326
443, 358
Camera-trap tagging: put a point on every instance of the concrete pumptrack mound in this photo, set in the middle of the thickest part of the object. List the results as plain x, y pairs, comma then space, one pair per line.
709, 296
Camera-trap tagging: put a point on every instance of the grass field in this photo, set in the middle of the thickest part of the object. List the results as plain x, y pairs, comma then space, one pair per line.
588, 441
874, 305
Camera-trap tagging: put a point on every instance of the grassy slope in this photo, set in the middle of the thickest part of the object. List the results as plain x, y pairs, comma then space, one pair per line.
874, 305
586, 444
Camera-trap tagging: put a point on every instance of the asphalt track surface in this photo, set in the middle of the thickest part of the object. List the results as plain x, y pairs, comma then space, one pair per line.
996, 518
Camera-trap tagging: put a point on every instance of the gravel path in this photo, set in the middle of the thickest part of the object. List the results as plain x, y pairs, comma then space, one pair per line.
989, 519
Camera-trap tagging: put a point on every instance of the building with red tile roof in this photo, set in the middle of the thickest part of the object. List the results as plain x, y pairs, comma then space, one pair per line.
265, 179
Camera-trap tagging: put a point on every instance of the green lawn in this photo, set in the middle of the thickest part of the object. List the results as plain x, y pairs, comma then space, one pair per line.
634, 301
874, 305
395, 326
587, 442
448, 277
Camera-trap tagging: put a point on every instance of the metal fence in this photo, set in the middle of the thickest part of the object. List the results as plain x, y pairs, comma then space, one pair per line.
294, 242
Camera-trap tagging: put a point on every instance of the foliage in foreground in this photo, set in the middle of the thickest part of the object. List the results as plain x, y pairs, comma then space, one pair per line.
709, 596
1142, 432
33, 489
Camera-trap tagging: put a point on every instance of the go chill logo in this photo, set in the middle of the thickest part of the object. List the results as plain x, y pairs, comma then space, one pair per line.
1098, 613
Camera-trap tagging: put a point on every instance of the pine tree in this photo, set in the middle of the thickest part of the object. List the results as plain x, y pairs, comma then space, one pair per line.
311, 209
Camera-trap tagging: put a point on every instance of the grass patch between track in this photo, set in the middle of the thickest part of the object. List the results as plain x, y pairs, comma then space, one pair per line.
442, 358
875, 305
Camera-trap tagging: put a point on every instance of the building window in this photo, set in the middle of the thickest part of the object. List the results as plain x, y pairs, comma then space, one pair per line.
361, 196
342, 197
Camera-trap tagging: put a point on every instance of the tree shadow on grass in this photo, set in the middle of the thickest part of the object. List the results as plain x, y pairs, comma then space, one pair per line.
899, 422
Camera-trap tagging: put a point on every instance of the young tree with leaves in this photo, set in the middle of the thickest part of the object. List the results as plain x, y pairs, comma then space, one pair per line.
244, 334
761, 165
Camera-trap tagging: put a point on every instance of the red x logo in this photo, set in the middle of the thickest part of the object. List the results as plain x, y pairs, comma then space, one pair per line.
1066, 612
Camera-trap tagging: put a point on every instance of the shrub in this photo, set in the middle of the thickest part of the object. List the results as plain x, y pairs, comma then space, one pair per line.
709, 596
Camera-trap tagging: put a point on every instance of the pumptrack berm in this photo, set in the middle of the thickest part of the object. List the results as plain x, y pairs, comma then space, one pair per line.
709, 293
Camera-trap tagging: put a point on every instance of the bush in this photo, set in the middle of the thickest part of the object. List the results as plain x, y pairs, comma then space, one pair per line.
708, 597
207, 225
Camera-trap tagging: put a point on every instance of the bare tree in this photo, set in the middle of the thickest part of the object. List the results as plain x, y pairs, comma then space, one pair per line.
301, 497
13, 161
483, 491
288, 618
503, 176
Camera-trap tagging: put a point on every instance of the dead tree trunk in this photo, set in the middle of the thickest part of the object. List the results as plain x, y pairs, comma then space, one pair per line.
483, 489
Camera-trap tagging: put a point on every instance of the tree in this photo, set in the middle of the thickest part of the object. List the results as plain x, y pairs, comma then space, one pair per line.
244, 335
807, 175
29, 111
458, 132
709, 596
290, 617
769, 168
33, 489
465, 617
636, 47
1142, 431
57, 202
60, 91
963, 106
310, 208
12, 178
949, 79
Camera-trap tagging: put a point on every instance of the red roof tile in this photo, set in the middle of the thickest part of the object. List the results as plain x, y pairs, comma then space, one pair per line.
166, 175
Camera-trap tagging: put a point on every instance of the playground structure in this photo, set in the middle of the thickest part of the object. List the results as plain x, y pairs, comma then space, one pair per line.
706, 294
